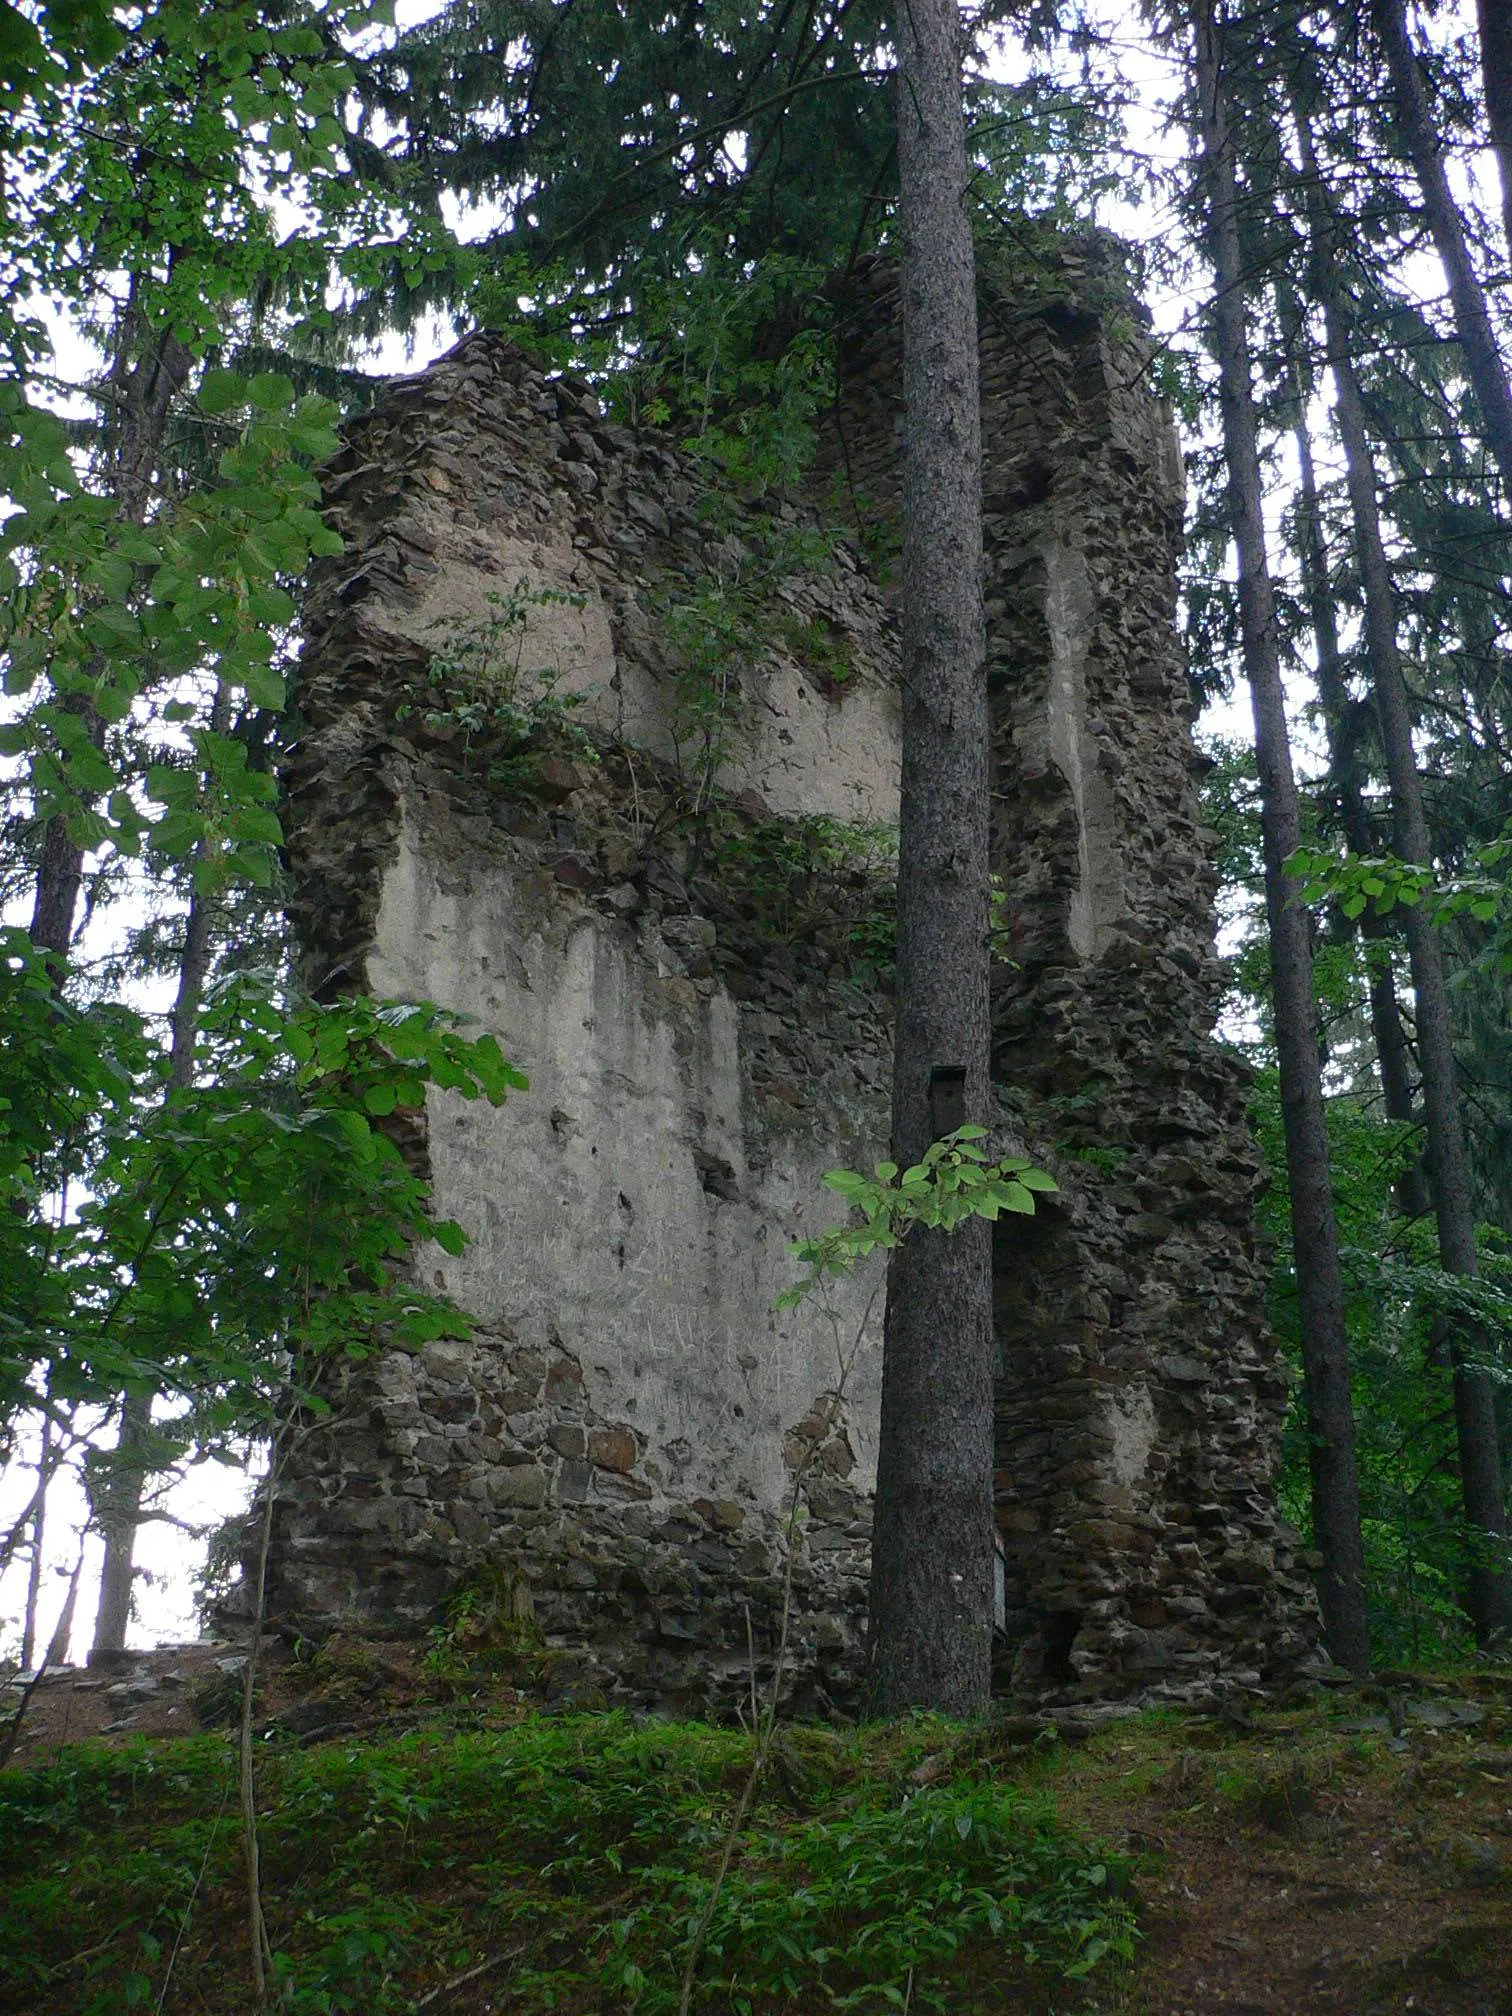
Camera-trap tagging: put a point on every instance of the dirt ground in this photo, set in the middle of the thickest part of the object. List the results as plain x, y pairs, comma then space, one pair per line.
1353, 1859
180, 1690
1349, 1855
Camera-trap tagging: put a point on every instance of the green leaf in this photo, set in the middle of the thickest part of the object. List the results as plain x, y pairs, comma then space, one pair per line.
110, 628
257, 823
271, 391
24, 665
271, 604
111, 574
264, 687
222, 392
355, 1128
449, 1236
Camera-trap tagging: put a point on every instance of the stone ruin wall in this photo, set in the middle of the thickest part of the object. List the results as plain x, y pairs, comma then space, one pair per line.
623, 1426
624, 1423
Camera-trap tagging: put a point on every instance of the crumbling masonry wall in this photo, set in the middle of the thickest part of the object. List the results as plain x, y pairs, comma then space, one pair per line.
683, 943
1140, 1395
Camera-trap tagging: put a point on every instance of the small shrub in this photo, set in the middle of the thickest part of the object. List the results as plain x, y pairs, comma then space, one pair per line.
481, 694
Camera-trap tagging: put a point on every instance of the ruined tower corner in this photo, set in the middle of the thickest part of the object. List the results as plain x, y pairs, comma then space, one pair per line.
614, 773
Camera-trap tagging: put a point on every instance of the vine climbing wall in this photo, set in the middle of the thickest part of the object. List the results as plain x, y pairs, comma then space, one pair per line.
607, 760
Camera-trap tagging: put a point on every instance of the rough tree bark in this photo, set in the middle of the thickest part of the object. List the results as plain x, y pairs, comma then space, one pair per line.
1489, 1591
1320, 1287
932, 1553
1495, 21
1414, 119
118, 1513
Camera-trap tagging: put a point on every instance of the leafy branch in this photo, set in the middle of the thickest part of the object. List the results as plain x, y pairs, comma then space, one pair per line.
952, 1182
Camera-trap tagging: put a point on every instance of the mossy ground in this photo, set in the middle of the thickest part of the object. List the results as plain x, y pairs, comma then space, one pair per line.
1348, 1853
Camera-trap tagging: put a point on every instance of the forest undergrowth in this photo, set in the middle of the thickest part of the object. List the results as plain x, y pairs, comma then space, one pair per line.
443, 1847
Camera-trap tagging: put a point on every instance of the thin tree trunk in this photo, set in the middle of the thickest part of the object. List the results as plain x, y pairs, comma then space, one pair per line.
1320, 1287
38, 1540
55, 1655
932, 1554
1495, 19
60, 872
1490, 1588
146, 382
57, 1646
1414, 119
1393, 1056
124, 1518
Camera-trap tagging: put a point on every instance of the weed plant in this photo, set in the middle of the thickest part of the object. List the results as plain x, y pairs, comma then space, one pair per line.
480, 692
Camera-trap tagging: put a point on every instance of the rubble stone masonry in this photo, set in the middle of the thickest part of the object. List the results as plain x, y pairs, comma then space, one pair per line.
606, 761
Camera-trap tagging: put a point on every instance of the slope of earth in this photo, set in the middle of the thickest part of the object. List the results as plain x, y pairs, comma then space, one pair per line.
433, 1839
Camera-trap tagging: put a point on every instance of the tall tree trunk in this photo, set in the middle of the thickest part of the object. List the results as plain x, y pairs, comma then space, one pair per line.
1414, 119
1489, 1598
57, 1646
932, 1552
1495, 20
1320, 1287
123, 1518
1392, 1053
118, 1513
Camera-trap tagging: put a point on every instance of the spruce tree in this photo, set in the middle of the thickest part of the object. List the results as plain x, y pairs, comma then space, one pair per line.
932, 1542
1325, 1341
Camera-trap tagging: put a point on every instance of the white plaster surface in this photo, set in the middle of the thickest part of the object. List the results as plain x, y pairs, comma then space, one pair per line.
1062, 737
805, 754
1131, 1422
583, 1198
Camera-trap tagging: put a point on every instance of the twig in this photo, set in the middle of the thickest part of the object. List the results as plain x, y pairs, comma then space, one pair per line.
188, 1910
445, 1988
751, 1669
766, 1725
89, 1952
262, 1951
38, 1511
